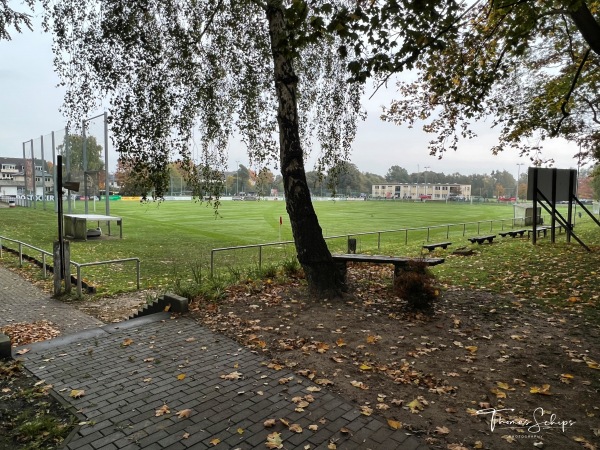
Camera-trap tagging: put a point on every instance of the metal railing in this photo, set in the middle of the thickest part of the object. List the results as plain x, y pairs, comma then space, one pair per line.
424, 233
77, 265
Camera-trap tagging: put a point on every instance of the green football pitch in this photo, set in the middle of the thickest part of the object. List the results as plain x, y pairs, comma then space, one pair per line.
173, 236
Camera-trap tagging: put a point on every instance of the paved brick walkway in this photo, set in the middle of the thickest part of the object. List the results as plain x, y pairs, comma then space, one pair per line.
130, 370
21, 301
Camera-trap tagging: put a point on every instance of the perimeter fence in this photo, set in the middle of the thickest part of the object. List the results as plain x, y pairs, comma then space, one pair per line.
85, 152
259, 255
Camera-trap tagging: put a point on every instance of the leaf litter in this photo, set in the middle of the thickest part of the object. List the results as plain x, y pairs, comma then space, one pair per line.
429, 375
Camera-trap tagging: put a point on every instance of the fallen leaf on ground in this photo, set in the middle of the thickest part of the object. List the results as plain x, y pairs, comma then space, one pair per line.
232, 376
544, 390
415, 406
274, 440
296, 428
127, 342
164, 409
184, 413
394, 424
77, 393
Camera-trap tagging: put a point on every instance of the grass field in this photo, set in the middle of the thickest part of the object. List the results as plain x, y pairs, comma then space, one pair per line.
173, 239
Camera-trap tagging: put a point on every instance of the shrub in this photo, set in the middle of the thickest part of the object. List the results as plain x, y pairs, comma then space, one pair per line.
291, 268
415, 285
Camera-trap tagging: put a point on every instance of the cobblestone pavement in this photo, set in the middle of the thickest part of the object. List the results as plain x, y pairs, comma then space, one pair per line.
166, 382
21, 301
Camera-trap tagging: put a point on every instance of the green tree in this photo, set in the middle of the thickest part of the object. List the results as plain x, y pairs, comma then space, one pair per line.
531, 66
397, 174
263, 68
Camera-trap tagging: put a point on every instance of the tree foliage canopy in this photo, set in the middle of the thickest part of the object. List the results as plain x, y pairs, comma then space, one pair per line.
174, 70
533, 67
9, 18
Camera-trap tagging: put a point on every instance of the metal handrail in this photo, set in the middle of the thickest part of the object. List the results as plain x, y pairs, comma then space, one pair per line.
76, 264
366, 233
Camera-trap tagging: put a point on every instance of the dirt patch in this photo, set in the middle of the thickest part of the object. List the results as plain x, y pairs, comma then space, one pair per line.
443, 377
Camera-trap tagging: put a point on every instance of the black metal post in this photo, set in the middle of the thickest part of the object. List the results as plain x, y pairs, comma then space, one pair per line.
59, 181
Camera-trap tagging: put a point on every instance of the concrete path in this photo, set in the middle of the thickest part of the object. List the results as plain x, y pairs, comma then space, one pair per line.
164, 382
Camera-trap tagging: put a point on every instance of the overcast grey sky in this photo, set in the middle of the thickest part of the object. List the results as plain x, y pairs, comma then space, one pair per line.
30, 102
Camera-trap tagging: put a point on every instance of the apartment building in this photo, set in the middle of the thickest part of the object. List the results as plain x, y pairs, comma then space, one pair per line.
16, 172
422, 191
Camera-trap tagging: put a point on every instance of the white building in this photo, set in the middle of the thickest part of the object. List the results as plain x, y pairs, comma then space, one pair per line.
421, 191
14, 172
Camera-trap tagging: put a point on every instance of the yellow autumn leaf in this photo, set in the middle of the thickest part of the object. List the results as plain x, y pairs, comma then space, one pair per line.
544, 390
592, 364
274, 440
359, 384
442, 430
340, 342
566, 378
373, 339
504, 386
472, 349
127, 342
394, 424
77, 393
498, 393
181, 376
240, 431
313, 427
415, 406
365, 367
215, 441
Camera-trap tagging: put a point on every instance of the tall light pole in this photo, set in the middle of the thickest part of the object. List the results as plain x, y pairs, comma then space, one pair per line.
237, 179
518, 177
426, 167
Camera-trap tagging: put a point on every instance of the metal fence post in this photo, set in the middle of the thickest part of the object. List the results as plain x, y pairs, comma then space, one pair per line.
20, 254
79, 281
260, 257
212, 263
138, 273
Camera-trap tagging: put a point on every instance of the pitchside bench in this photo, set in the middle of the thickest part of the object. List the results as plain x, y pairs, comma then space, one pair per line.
512, 233
481, 239
432, 247
400, 263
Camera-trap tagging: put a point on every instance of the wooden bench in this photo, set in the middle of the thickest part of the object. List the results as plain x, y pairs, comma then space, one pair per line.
544, 230
432, 247
400, 263
481, 239
512, 233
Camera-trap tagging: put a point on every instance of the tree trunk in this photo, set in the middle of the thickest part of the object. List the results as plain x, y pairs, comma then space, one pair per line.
321, 272
587, 26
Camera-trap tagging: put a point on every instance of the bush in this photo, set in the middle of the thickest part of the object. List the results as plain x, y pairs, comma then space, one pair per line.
415, 285
292, 268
